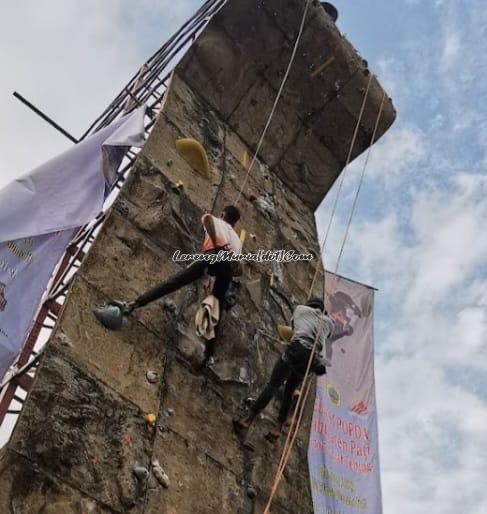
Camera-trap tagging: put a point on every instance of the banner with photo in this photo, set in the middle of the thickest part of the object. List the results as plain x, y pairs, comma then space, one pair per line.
343, 453
39, 213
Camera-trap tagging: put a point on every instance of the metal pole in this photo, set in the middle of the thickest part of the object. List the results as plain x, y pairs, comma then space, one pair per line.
45, 117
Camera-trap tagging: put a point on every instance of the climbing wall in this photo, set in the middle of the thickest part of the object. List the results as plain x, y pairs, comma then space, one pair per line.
82, 431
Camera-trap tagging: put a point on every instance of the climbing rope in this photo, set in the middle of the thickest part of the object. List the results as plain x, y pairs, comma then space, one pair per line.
276, 101
301, 403
342, 178
354, 204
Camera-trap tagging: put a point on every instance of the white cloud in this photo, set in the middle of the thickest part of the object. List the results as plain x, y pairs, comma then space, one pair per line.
452, 49
432, 430
400, 151
70, 59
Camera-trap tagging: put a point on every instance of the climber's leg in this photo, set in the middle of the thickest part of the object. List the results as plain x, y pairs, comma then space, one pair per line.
222, 271
193, 272
280, 373
223, 275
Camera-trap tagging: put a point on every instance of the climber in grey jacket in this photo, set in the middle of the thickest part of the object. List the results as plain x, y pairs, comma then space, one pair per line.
310, 323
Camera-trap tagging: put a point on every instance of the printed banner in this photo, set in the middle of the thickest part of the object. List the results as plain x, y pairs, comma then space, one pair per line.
343, 453
40, 212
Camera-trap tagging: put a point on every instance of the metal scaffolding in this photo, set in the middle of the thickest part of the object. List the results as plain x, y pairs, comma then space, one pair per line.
147, 86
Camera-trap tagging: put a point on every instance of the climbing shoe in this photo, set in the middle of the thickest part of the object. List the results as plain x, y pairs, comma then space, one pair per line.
242, 423
274, 435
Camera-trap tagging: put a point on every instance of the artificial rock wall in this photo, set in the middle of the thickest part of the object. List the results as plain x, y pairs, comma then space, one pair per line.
82, 430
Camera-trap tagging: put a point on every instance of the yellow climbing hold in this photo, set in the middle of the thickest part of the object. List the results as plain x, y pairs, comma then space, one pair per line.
194, 154
285, 332
150, 419
245, 159
243, 235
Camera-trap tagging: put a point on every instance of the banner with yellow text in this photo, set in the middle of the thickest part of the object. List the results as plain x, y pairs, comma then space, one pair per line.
343, 453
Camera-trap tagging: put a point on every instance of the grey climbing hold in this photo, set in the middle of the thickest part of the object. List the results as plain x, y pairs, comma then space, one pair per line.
252, 492
152, 377
141, 473
110, 316
122, 207
160, 474
64, 339
169, 163
169, 305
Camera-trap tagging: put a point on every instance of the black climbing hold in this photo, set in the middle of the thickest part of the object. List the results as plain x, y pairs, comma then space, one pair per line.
331, 10
252, 492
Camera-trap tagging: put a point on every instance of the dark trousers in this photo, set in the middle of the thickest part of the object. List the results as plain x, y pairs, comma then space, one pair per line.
290, 368
222, 272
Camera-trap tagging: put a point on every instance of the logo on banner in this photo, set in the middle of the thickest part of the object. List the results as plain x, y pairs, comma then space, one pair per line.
3, 299
333, 395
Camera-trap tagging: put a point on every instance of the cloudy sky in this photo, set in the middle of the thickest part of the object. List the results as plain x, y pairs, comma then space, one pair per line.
419, 231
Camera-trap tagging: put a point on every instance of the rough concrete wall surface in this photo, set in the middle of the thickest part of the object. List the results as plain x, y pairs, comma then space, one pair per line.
82, 430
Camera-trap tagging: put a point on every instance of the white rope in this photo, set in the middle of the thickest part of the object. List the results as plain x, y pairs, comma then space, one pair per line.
355, 200
342, 178
276, 101
299, 409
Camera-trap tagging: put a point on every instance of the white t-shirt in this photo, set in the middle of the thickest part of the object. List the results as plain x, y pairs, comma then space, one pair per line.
306, 322
225, 235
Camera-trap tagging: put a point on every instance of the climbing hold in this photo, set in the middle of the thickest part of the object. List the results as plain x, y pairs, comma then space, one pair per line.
243, 235
253, 237
110, 316
244, 160
141, 473
322, 67
152, 377
177, 187
150, 419
251, 492
169, 163
122, 207
160, 474
249, 401
285, 332
194, 154
331, 10
169, 305
64, 339
252, 197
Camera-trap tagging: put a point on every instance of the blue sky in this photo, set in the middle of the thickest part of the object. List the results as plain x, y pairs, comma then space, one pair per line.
418, 234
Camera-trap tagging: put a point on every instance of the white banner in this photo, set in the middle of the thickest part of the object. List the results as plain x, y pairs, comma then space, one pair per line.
38, 215
343, 453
